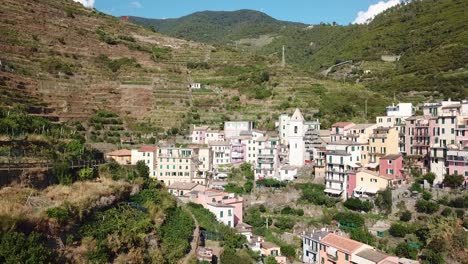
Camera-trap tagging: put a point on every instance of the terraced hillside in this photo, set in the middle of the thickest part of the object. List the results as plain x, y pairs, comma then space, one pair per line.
82, 62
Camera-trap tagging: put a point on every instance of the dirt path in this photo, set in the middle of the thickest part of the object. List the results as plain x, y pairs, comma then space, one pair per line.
195, 239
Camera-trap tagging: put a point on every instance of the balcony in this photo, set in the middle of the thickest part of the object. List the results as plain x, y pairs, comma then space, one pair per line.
421, 144
333, 179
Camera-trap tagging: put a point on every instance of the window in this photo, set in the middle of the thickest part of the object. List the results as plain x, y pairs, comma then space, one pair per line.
346, 257
295, 129
229, 223
229, 212
221, 214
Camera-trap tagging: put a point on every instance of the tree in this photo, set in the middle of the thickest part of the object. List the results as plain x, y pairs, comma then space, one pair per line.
142, 169
405, 251
453, 180
270, 260
398, 230
384, 200
426, 195
248, 186
429, 177
427, 207
16, 247
446, 212
288, 251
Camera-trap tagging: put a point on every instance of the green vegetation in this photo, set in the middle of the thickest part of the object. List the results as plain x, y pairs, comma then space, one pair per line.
405, 216
314, 193
160, 54
271, 183
399, 229
59, 213
453, 180
349, 220
17, 247
427, 207
106, 38
384, 201
358, 205
287, 210
117, 64
176, 233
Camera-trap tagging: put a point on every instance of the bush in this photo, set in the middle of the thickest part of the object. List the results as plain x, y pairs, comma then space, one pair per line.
358, 205
362, 235
429, 177
313, 193
446, 212
288, 251
427, 207
59, 213
284, 223
460, 213
454, 180
405, 216
271, 183
62, 173
160, 54
398, 230
459, 202
16, 247
176, 233
104, 37
142, 169
349, 219
262, 208
403, 250
384, 200
198, 65
127, 38
86, 174
426, 195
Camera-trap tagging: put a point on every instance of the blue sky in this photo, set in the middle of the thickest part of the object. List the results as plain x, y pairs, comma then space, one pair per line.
306, 11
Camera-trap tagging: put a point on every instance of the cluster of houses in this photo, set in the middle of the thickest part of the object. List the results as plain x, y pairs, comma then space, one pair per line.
355, 160
332, 246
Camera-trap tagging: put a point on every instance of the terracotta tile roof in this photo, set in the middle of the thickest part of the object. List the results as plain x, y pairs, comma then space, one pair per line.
342, 124
120, 152
391, 156
341, 243
372, 255
147, 149
268, 245
183, 185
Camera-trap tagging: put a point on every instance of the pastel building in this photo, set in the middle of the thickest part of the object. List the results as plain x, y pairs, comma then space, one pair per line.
457, 162
366, 183
267, 163
146, 154
214, 135
287, 173
227, 207
121, 156
176, 165
221, 153
383, 141
328, 247
395, 115
234, 128
342, 158
340, 130
199, 134
238, 150
392, 166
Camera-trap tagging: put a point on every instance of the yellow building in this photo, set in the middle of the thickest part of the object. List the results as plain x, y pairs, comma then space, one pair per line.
382, 142
361, 133
368, 183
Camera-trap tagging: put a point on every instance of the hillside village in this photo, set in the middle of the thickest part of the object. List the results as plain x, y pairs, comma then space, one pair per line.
352, 161
233, 137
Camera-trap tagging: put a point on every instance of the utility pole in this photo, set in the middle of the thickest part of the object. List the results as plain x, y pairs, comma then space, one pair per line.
283, 61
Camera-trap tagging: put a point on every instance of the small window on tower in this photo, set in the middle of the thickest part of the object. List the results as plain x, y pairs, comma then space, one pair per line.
295, 129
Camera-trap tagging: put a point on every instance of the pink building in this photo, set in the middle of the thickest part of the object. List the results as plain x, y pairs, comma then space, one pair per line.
461, 136
351, 183
199, 134
216, 198
340, 130
238, 150
457, 161
392, 166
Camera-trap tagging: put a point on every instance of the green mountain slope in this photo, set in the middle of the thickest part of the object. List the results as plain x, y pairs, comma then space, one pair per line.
429, 35
218, 26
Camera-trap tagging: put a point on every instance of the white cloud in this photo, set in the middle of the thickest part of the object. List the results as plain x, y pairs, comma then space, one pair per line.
136, 4
365, 17
86, 3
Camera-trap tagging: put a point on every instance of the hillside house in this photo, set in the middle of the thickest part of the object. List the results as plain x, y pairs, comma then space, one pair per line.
148, 155
121, 156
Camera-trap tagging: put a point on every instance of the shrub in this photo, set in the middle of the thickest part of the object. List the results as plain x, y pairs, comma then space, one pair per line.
16, 247
384, 200
349, 219
405, 251
86, 174
363, 235
62, 173
198, 65
271, 260
159, 53
405, 216
271, 183
284, 223
313, 193
454, 180
59, 213
127, 38
142, 169
426, 195
429, 177
358, 205
460, 213
288, 251
398, 230
55, 65
262, 208
427, 207
459, 202
104, 37
176, 233
446, 212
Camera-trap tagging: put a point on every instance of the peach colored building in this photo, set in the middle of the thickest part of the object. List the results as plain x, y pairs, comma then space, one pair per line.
335, 249
217, 197
121, 156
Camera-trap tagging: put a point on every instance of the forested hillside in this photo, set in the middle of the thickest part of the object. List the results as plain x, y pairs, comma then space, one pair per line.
217, 26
